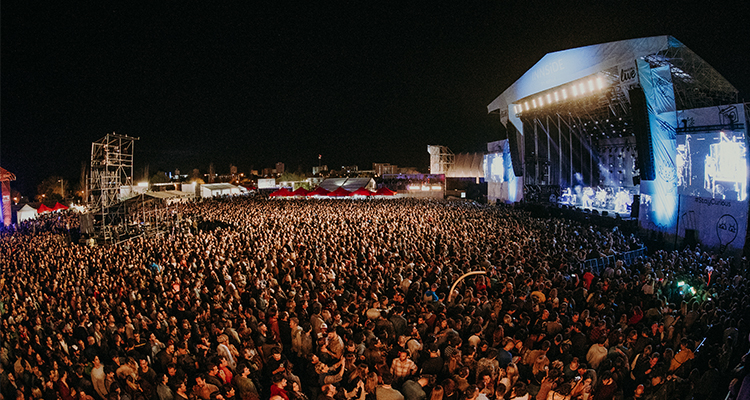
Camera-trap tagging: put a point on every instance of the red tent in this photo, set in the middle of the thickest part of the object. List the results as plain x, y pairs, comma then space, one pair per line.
319, 191
340, 192
384, 191
43, 209
59, 207
283, 192
362, 192
300, 192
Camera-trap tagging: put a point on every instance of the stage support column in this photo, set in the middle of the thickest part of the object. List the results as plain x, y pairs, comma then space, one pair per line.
516, 155
7, 216
662, 121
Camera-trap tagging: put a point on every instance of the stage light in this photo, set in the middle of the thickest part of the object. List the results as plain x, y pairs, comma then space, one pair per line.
581, 88
526, 103
541, 101
575, 91
549, 98
599, 83
565, 94
533, 102
557, 98
591, 85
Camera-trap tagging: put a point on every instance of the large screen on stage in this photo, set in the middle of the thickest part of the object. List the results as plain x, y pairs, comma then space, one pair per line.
498, 166
713, 164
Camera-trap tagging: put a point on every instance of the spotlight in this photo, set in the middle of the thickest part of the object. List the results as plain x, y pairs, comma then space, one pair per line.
565, 94
533, 102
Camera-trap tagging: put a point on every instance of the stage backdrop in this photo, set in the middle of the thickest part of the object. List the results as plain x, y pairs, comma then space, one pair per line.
712, 170
719, 225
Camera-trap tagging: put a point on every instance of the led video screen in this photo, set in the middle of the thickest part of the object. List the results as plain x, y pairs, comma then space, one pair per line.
713, 165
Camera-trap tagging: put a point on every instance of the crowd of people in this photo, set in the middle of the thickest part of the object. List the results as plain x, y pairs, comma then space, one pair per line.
337, 299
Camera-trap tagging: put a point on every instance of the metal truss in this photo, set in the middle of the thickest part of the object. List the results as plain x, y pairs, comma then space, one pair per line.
441, 159
111, 168
696, 83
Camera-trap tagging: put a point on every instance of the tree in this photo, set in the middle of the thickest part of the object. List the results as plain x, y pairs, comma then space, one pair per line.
195, 176
299, 180
290, 177
159, 177
51, 189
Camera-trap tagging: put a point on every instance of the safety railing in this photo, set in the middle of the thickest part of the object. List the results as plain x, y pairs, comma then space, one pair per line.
597, 265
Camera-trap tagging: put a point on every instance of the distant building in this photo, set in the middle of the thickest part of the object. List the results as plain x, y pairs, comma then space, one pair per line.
384, 168
319, 169
279, 168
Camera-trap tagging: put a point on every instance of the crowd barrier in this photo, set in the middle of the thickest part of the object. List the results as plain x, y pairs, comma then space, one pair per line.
597, 265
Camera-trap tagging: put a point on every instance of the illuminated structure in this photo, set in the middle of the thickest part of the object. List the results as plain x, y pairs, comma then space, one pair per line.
5, 178
641, 117
441, 159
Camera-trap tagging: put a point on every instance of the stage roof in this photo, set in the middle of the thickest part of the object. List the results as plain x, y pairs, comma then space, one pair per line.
168, 194
350, 184
696, 83
218, 186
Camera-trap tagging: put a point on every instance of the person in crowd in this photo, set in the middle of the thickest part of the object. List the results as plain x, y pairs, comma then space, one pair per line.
218, 307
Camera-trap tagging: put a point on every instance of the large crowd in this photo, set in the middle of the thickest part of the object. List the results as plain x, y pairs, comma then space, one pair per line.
307, 299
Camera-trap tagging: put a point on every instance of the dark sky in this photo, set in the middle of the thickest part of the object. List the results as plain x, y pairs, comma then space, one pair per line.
356, 81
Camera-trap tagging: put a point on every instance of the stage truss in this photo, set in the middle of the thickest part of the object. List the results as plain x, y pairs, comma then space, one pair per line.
441, 159
111, 169
562, 141
696, 83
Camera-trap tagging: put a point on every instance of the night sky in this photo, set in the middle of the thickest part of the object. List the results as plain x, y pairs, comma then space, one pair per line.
247, 84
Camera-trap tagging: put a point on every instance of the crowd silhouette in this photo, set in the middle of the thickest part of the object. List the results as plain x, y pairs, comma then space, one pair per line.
250, 298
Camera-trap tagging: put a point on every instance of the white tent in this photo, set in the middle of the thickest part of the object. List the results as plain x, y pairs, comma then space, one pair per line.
219, 189
26, 212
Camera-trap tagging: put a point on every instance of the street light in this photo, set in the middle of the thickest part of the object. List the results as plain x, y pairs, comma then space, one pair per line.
62, 188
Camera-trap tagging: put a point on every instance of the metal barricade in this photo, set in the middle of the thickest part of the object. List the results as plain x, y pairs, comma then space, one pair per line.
597, 265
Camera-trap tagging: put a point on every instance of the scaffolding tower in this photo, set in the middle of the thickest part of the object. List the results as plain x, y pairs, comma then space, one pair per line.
111, 168
441, 159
